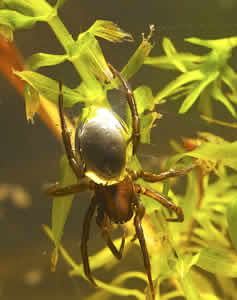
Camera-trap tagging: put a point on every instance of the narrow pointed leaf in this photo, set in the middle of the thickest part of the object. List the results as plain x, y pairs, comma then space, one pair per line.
32, 102
147, 123
145, 103
192, 97
171, 53
224, 152
144, 99
138, 58
219, 95
218, 262
39, 8
189, 288
226, 43
16, 20
49, 88
62, 205
205, 103
89, 59
110, 31
229, 76
189, 60
177, 83
232, 221
59, 3
39, 60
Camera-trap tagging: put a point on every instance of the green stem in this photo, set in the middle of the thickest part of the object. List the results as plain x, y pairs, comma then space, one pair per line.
61, 32
67, 41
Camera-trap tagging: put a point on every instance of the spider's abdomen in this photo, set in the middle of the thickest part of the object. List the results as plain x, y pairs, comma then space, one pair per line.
102, 145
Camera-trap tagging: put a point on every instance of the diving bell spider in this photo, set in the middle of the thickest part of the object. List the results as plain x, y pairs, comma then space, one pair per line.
100, 165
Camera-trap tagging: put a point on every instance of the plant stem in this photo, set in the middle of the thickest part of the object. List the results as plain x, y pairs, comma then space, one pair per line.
61, 32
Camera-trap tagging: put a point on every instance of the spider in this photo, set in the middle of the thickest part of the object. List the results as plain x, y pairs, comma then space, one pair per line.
100, 165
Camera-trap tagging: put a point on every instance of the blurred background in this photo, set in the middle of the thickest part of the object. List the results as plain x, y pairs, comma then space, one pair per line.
29, 154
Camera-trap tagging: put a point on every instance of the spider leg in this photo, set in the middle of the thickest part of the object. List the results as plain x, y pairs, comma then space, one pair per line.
140, 211
85, 237
66, 136
133, 108
103, 222
151, 177
157, 196
56, 190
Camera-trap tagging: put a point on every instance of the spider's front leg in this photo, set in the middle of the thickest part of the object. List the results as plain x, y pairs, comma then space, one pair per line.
135, 138
56, 190
66, 136
103, 222
139, 213
151, 177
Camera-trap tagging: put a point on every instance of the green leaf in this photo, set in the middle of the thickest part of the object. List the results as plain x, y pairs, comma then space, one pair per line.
177, 83
226, 43
205, 103
49, 88
110, 31
229, 76
185, 202
32, 102
210, 296
218, 262
147, 123
171, 53
189, 288
224, 152
59, 3
145, 103
119, 281
201, 70
144, 99
138, 58
220, 96
39, 8
192, 97
39, 60
87, 56
232, 221
189, 60
62, 205
16, 20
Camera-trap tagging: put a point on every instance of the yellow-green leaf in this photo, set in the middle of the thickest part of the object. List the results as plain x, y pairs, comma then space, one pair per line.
217, 261
32, 102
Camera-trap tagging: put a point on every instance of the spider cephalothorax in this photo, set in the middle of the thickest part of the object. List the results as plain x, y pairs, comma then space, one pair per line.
100, 165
